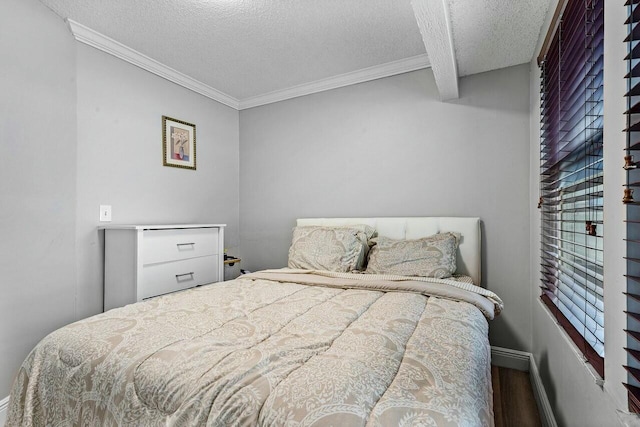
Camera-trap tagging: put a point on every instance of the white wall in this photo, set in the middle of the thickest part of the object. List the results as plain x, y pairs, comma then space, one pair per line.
120, 108
81, 128
576, 398
37, 179
390, 148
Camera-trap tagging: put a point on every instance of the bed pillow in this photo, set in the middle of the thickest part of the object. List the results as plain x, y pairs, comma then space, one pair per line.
342, 249
433, 256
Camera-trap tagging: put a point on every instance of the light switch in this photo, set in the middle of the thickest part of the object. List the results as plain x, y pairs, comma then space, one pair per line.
105, 213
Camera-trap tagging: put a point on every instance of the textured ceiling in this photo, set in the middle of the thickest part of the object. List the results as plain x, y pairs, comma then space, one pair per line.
249, 47
246, 48
492, 34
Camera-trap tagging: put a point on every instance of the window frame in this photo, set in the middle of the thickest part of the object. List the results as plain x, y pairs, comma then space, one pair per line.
571, 144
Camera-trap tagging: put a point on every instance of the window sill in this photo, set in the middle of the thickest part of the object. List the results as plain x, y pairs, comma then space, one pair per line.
597, 379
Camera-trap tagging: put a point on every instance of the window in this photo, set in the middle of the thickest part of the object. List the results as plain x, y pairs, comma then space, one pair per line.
633, 207
571, 174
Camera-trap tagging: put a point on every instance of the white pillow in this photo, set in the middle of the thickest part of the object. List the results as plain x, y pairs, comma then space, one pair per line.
433, 256
342, 249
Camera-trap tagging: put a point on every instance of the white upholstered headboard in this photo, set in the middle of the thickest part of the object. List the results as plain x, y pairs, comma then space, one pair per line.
469, 251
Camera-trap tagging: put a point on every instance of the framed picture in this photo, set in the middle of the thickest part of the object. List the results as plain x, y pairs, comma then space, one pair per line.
178, 143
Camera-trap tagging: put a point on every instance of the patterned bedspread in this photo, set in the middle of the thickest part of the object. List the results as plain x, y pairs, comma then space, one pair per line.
256, 351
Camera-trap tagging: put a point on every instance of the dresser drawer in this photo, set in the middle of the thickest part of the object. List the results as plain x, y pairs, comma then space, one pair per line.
177, 244
158, 279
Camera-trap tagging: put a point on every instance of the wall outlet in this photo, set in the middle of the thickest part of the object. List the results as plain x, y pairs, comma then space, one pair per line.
105, 213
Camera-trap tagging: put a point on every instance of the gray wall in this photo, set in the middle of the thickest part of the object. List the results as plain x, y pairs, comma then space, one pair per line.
81, 128
37, 179
120, 108
561, 367
390, 148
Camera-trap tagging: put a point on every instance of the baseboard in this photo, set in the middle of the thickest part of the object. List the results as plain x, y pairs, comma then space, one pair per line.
512, 359
4, 403
523, 361
546, 413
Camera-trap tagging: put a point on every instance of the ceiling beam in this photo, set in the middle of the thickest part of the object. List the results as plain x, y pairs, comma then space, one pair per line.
435, 26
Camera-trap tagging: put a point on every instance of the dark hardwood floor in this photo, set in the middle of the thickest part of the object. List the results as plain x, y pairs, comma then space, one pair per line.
513, 400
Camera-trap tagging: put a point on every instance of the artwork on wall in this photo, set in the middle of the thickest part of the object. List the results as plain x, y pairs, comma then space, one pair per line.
178, 143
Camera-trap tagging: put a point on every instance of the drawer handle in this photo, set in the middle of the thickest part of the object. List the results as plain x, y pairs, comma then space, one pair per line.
186, 244
184, 274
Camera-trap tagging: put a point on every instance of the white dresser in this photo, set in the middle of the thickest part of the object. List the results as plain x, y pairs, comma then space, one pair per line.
144, 261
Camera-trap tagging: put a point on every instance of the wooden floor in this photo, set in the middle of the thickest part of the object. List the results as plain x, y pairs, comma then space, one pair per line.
513, 400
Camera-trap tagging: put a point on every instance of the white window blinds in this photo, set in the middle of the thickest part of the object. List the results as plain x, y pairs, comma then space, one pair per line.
571, 176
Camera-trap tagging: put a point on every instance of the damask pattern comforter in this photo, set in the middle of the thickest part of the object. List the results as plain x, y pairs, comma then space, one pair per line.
280, 348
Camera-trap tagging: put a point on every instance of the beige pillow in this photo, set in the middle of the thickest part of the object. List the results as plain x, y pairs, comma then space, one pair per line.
433, 256
342, 249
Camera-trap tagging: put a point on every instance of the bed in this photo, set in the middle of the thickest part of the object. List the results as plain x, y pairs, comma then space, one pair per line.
293, 346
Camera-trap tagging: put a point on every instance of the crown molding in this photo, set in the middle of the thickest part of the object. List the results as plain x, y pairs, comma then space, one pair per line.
359, 76
108, 45
4, 404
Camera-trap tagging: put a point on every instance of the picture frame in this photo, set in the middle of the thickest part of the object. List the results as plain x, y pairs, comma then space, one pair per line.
178, 143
